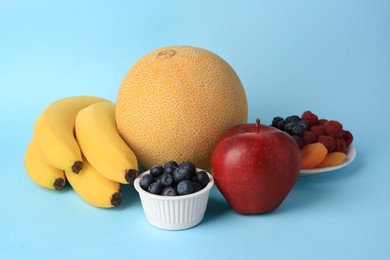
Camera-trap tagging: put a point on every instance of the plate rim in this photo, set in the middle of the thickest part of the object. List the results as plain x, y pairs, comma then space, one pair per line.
351, 155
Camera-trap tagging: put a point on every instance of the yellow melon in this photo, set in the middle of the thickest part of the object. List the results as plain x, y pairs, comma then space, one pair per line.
175, 102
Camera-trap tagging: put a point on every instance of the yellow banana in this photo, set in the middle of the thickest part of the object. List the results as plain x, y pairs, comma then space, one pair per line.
94, 188
40, 171
54, 132
102, 145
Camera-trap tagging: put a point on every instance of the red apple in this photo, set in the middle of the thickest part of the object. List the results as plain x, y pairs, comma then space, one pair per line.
255, 166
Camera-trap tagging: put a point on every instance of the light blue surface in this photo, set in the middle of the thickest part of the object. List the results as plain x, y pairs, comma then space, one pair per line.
332, 57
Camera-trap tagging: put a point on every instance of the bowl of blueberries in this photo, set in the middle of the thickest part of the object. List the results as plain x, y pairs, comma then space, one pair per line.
174, 196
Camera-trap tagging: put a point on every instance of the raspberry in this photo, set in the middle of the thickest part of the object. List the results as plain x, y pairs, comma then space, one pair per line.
317, 130
310, 118
348, 137
341, 146
322, 121
309, 137
334, 128
328, 142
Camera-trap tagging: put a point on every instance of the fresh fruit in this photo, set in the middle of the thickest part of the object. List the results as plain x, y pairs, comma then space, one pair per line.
169, 191
155, 188
101, 144
310, 118
255, 166
328, 142
330, 133
312, 155
202, 178
40, 171
333, 128
146, 180
156, 171
185, 187
175, 102
332, 159
185, 179
309, 137
317, 130
348, 137
94, 188
54, 132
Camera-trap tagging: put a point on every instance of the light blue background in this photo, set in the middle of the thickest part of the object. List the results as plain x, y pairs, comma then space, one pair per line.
331, 57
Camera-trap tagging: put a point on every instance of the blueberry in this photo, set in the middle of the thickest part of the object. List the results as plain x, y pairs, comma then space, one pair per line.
188, 165
202, 178
289, 126
197, 186
304, 124
155, 188
299, 141
166, 180
169, 191
171, 163
185, 187
145, 181
276, 120
170, 166
181, 174
297, 130
281, 124
156, 171
293, 118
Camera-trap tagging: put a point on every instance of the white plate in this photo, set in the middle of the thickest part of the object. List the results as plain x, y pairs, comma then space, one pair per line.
350, 157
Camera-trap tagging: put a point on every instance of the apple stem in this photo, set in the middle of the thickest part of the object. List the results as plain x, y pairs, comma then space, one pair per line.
257, 124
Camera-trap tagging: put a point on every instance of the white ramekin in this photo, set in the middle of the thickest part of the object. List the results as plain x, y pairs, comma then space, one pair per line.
174, 212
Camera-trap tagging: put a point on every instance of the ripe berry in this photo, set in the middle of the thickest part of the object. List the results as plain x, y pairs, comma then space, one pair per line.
304, 124
322, 121
170, 166
166, 180
328, 142
293, 118
333, 128
348, 137
297, 130
310, 118
281, 125
155, 188
317, 130
309, 137
276, 120
145, 181
289, 126
156, 171
197, 186
185, 187
169, 191
189, 165
299, 141
341, 146
181, 174
167, 183
171, 163
202, 178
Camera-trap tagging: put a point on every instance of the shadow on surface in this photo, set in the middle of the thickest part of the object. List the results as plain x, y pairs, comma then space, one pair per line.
312, 190
216, 206
130, 197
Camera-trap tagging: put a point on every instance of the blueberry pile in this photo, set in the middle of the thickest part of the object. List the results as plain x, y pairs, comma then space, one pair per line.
293, 125
174, 179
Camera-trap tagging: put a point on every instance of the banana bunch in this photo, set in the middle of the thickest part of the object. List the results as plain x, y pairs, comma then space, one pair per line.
76, 139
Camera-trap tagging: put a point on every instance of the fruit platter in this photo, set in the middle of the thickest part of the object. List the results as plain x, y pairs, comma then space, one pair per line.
170, 152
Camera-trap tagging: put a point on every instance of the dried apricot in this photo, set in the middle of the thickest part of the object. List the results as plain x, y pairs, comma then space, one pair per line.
332, 159
312, 155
